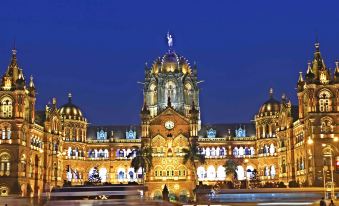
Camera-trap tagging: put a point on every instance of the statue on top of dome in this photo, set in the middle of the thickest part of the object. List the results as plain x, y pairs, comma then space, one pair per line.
169, 40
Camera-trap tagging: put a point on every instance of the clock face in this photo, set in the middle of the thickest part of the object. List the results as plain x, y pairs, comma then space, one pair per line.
169, 125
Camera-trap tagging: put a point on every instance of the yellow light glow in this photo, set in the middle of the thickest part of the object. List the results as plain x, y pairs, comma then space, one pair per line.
335, 139
310, 141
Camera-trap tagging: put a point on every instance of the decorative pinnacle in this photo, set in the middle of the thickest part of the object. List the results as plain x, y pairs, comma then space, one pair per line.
300, 77
317, 45
283, 96
31, 83
69, 97
271, 92
309, 69
14, 51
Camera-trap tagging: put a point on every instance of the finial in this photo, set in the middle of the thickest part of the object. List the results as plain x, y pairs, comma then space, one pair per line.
54, 101
69, 97
317, 45
336, 71
271, 92
31, 83
309, 69
300, 77
283, 96
169, 40
14, 51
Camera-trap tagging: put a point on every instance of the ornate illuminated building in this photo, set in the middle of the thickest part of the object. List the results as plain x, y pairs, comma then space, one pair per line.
43, 149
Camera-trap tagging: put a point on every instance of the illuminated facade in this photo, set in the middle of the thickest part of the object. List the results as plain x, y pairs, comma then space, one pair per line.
43, 149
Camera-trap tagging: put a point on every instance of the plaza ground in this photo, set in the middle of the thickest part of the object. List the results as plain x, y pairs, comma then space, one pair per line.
260, 197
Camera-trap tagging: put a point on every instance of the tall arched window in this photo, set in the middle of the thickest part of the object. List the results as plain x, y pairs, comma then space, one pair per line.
6, 107
152, 94
5, 165
170, 91
23, 165
188, 93
325, 102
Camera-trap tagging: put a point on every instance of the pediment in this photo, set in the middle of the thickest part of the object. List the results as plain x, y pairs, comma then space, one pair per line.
169, 113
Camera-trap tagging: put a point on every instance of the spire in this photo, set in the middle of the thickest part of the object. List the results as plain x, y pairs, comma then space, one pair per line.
271, 92
309, 68
14, 52
318, 62
300, 80
317, 46
31, 83
69, 97
336, 71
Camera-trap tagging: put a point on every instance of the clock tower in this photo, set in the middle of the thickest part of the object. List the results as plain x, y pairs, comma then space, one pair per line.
170, 119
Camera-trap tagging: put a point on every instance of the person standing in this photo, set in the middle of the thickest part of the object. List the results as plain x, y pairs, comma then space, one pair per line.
332, 203
322, 202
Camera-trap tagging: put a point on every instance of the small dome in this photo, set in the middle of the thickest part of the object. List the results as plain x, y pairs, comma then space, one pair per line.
271, 105
71, 111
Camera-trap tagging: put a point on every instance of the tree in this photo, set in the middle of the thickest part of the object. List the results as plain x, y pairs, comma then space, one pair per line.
193, 155
94, 176
142, 159
231, 167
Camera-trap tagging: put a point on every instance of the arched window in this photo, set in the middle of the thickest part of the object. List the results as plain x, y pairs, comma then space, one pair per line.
23, 164
5, 165
201, 172
213, 151
267, 171
235, 152
208, 153
106, 154
272, 149
170, 91
103, 174
69, 152
211, 172
272, 171
240, 173
221, 175
131, 175
6, 107
241, 151
152, 94
121, 174
325, 102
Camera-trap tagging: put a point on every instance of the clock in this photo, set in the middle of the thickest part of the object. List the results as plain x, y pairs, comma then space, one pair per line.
169, 125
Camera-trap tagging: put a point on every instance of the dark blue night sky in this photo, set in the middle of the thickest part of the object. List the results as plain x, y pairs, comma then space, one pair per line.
97, 50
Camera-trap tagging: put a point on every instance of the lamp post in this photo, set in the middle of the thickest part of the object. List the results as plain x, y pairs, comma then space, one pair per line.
325, 168
331, 169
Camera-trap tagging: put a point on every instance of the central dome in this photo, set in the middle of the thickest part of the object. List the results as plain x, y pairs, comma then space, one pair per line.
171, 62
